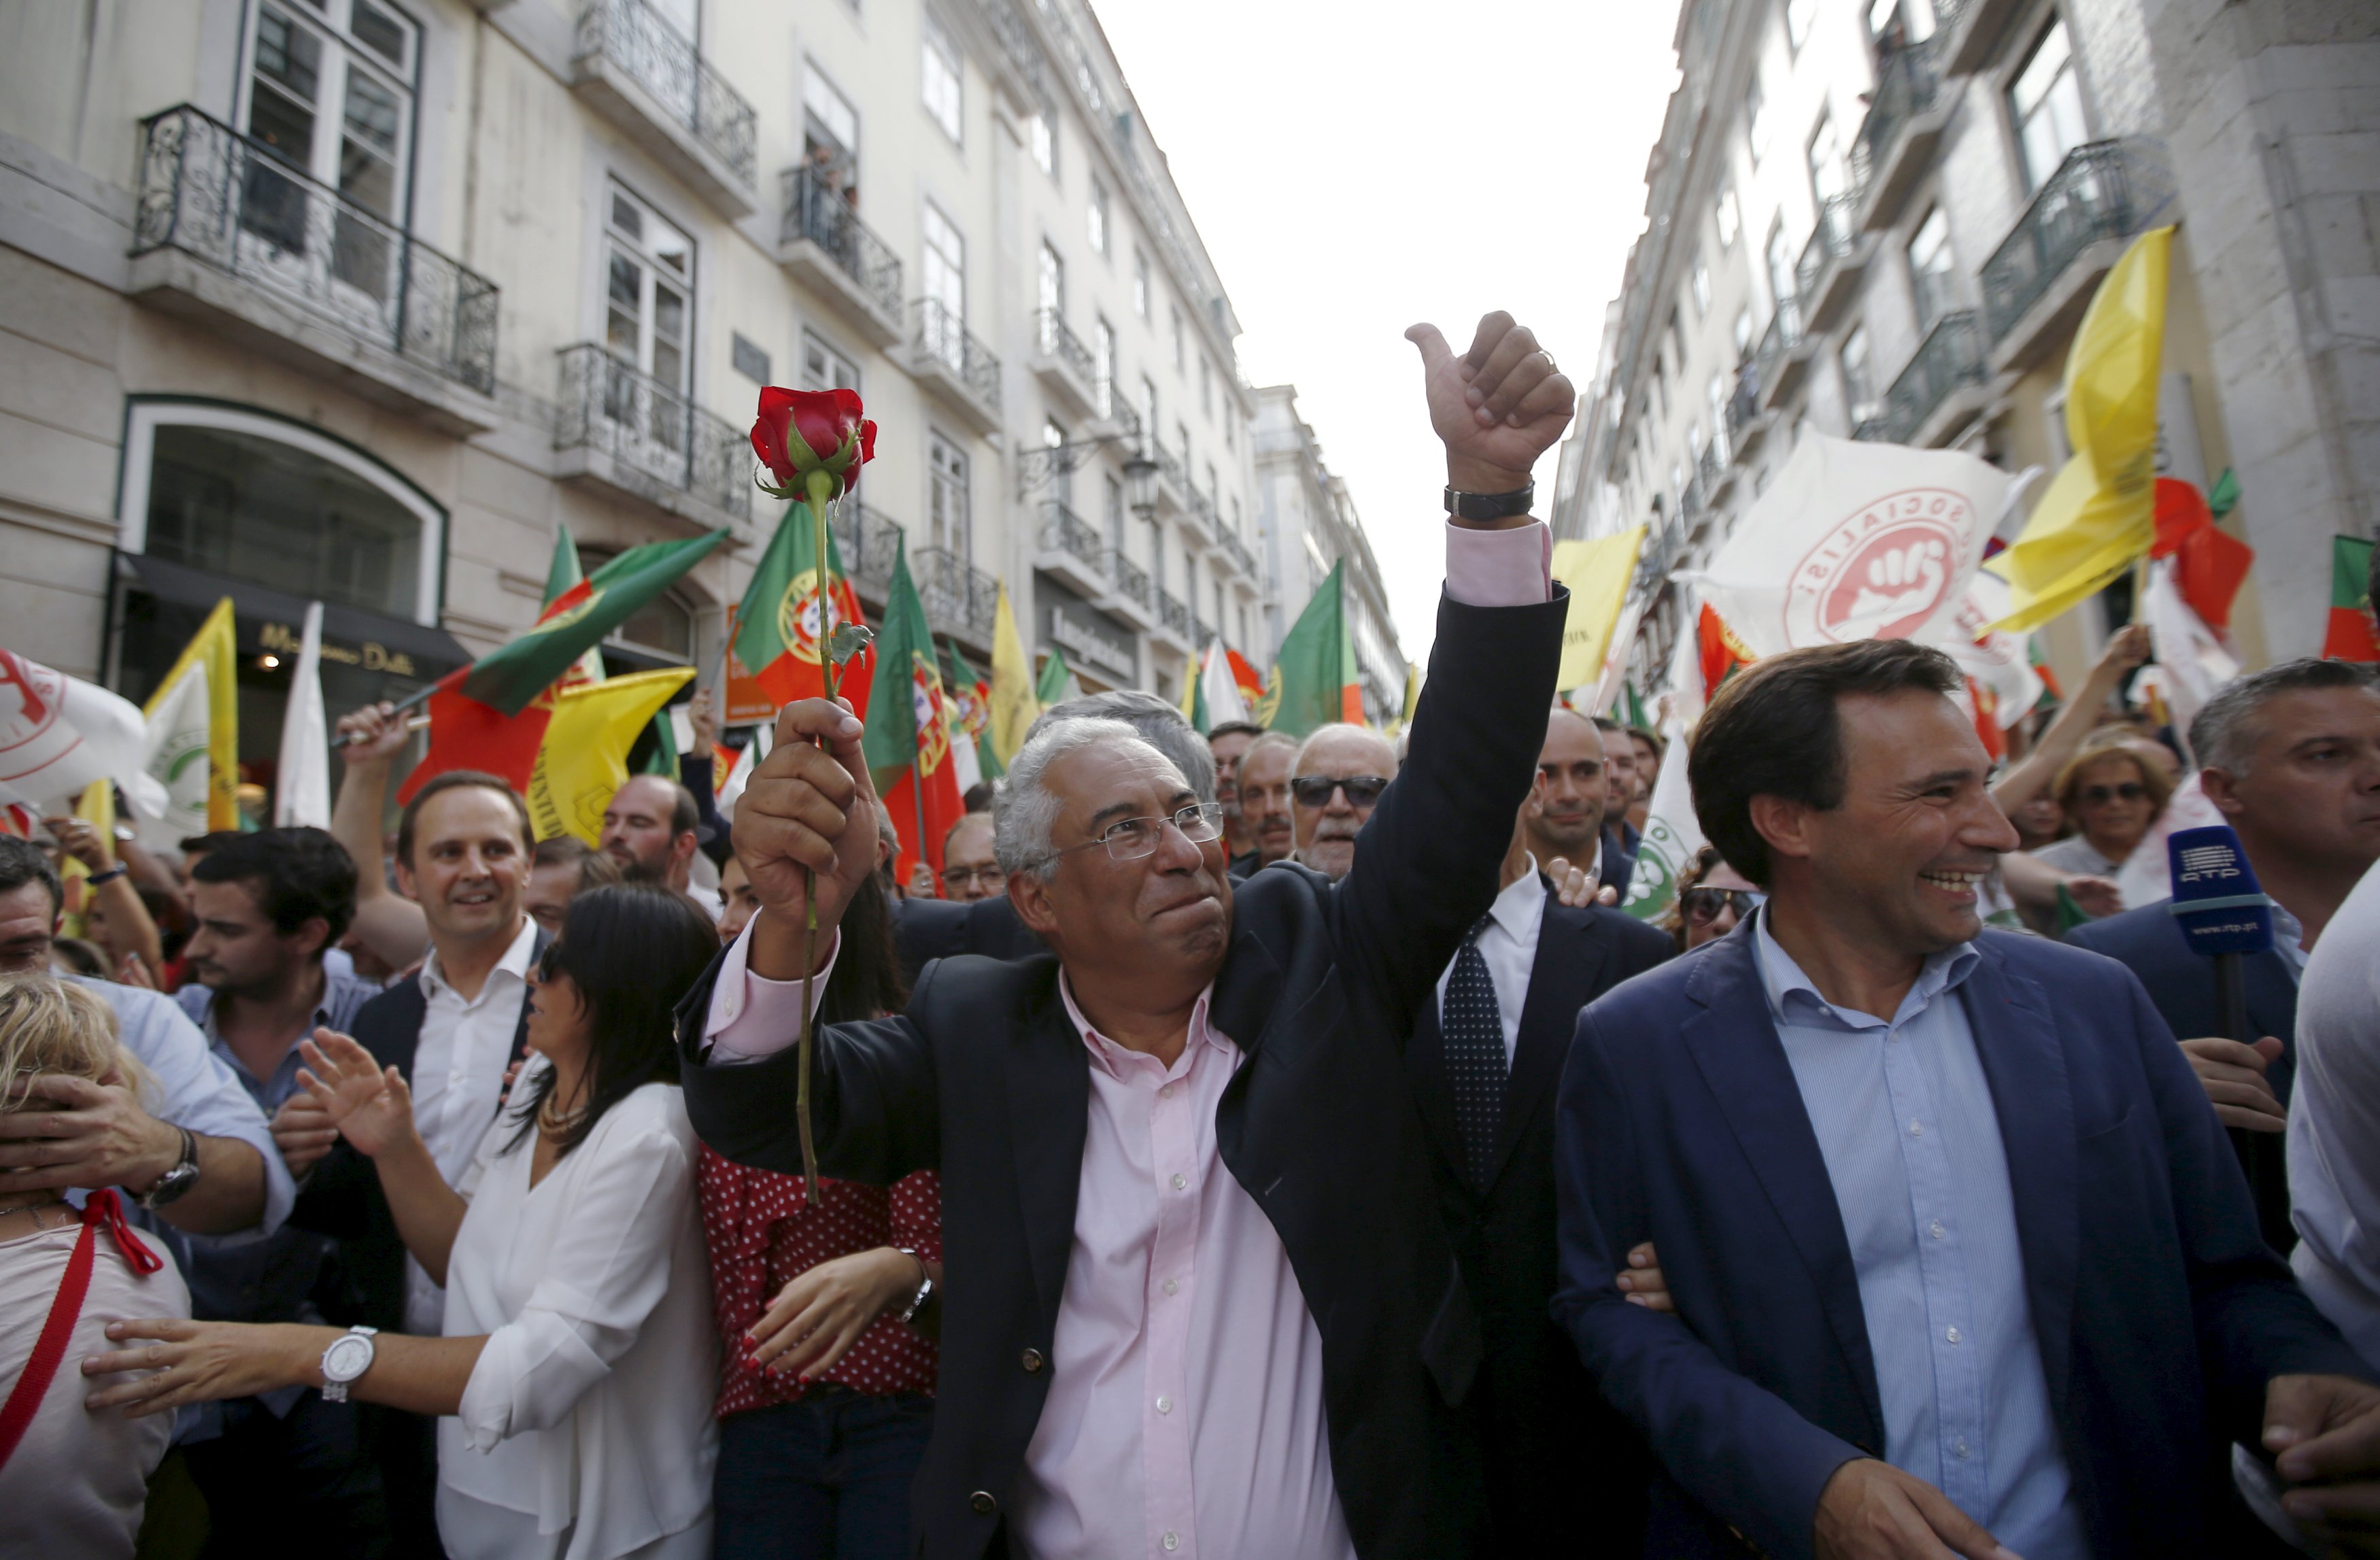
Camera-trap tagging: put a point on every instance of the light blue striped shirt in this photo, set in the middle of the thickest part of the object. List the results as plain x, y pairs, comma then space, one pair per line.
1903, 1116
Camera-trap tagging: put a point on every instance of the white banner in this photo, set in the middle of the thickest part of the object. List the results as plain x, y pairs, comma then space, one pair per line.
1855, 540
178, 760
2192, 661
58, 734
1994, 659
301, 782
1672, 833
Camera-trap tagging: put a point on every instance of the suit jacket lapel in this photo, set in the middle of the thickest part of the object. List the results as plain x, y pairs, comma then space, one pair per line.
2024, 1061
1571, 952
1734, 1044
1049, 1084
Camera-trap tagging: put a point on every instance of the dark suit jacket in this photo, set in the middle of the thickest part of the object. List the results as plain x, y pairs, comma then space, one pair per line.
984, 1078
1556, 1451
2149, 942
342, 1197
1618, 863
926, 930
2161, 1314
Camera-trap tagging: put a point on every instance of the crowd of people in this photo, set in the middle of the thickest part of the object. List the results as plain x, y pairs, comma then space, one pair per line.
1249, 1145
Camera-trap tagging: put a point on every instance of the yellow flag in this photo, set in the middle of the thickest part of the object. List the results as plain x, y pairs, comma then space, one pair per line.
584, 758
1597, 573
2099, 515
1013, 706
216, 647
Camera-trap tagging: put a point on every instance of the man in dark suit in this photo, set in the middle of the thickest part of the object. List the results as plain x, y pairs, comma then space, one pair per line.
2292, 757
1199, 1294
1484, 1060
1959, 1256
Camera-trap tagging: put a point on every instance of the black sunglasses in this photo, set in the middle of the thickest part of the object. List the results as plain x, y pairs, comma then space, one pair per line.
1314, 790
549, 961
2129, 790
1702, 905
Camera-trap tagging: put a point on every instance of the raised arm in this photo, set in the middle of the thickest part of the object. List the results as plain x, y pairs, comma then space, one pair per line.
373, 1111
2032, 775
387, 923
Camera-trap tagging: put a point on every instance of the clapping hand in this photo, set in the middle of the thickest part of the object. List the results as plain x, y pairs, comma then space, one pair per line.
371, 1105
304, 1132
1498, 407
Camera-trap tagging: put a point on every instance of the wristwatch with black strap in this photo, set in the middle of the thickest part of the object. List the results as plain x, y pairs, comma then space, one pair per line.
1490, 506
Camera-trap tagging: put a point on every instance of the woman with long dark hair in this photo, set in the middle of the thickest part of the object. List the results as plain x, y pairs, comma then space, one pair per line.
574, 1374
827, 1395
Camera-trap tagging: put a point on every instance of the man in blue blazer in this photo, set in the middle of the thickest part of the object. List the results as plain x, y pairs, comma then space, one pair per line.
1960, 1260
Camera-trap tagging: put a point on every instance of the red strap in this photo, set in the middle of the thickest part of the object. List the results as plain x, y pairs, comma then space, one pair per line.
102, 1208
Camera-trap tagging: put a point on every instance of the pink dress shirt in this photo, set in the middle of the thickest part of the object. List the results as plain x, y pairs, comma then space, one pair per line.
1185, 1411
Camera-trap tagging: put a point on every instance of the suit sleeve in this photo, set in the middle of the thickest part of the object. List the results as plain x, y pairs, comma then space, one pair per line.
2254, 1321
1426, 863
1741, 1451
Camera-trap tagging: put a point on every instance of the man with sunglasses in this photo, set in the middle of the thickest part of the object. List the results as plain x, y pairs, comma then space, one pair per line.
1337, 780
1200, 1300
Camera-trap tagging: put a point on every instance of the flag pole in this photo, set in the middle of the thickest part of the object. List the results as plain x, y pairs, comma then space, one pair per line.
417, 697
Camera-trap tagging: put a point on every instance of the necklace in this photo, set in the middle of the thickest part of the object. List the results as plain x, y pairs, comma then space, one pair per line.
41, 1202
555, 1122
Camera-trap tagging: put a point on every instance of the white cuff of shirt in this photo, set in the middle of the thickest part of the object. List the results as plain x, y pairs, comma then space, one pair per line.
752, 1016
1499, 568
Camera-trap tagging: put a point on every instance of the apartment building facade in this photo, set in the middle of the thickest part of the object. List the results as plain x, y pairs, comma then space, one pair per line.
364, 301
1883, 219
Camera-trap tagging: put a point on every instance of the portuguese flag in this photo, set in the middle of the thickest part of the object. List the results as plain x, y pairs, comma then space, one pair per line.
574, 622
2350, 637
908, 740
562, 576
1314, 678
779, 627
971, 692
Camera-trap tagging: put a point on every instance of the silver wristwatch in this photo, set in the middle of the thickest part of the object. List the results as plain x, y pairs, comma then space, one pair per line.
177, 1180
349, 1356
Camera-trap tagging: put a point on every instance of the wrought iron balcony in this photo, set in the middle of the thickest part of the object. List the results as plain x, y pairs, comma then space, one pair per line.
1242, 559
1197, 513
1064, 365
324, 280
1778, 362
821, 240
640, 72
1173, 619
961, 599
868, 543
1747, 423
1833, 262
1071, 551
1129, 582
1173, 483
943, 353
2070, 235
1904, 123
634, 434
1950, 357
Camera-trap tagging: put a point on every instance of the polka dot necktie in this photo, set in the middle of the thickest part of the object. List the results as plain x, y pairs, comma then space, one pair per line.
1473, 1030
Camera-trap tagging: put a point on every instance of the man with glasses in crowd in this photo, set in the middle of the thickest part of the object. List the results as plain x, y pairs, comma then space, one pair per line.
1337, 780
1195, 1305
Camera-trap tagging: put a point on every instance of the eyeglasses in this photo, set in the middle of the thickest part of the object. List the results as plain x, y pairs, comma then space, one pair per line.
1129, 839
1314, 790
548, 963
2100, 796
1701, 906
960, 877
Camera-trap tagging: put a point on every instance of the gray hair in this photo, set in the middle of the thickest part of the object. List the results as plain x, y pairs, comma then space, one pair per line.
1024, 811
1154, 721
1337, 728
2225, 732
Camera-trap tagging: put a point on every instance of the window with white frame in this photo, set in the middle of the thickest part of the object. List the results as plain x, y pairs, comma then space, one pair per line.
1214, 488
1206, 386
1859, 376
1140, 284
1045, 142
1157, 553
941, 283
1830, 173
1717, 395
1756, 119
1727, 216
1235, 517
648, 285
2046, 107
1050, 295
829, 132
824, 368
1113, 513
1148, 405
1061, 472
947, 522
1780, 273
1742, 334
1181, 447
944, 80
1095, 217
1174, 314
1699, 280
1103, 365
1931, 269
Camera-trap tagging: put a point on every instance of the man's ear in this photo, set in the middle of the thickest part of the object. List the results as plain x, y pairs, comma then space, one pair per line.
314, 935
405, 881
1785, 825
2223, 791
1031, 898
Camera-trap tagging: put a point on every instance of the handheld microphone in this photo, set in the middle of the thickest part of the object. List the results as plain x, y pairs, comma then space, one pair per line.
2222, 912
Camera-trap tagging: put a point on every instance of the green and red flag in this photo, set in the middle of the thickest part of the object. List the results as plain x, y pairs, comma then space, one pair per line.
1314, 680
908, 740
2350, 637
1057, 683
564, 575
574, 622
785, 618
465, 734
970, 691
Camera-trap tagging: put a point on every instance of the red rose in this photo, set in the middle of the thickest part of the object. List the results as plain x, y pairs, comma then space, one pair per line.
801, 433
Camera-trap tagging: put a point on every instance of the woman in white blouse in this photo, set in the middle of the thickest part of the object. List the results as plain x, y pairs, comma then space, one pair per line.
578, 1367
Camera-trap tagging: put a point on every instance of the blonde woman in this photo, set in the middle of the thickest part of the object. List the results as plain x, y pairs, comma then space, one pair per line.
71, 1482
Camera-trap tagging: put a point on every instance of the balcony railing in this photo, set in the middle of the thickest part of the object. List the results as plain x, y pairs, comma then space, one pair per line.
642, 45
1783, 334
1128, 578
817, 211
2106, 189
1238, 550
229, 202
1711, 465
1056, 341
1950, 356
1743, 406
868, 543
651, 428
959, 597
942, 336
1062, 531
1174, 617
1906, 85
1830, 240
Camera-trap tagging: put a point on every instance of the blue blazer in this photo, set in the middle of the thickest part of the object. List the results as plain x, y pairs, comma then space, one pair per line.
2160, 1312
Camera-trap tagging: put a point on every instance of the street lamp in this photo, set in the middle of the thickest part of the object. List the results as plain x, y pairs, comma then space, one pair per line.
1140, 483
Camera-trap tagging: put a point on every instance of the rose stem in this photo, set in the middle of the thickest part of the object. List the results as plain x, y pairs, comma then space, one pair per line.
818, 484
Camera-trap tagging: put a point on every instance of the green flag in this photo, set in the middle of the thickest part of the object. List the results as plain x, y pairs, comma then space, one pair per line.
1057, 684
513, 676
892, 739
907, 741
1314, 680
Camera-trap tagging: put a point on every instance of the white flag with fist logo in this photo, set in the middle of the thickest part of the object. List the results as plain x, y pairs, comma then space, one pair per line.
1855, 540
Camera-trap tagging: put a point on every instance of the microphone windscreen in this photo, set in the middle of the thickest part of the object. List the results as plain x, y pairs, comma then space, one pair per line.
2217, 900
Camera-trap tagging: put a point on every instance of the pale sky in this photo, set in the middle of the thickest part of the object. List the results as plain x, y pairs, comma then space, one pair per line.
1355, 167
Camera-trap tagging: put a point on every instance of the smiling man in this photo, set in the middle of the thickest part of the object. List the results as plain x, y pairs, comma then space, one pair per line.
1987, 1272
1201, 1301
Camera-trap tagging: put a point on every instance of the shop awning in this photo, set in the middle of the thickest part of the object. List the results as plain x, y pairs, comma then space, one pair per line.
273, 621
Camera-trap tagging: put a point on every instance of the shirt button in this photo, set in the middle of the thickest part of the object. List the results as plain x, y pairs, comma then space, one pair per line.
1936, 1229
1032, 1361
1180, 1182
981, 1502
1952, 1333
1961, 1448
1916, 1129
1172, 1540
1172, 1285
1165, 1404
1166, 1092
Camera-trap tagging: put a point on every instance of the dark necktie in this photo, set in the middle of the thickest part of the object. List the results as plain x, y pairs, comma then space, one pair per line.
1473, 1031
